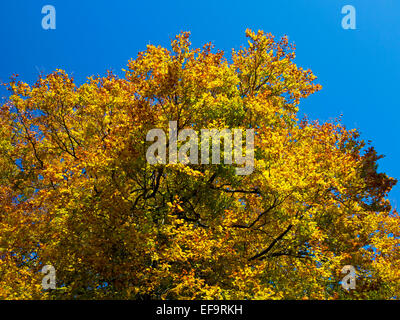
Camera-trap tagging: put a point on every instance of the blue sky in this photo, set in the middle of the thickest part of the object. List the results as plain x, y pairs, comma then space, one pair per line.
358, 69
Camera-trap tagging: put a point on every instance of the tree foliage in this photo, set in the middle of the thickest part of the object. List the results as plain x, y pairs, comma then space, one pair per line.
77, 192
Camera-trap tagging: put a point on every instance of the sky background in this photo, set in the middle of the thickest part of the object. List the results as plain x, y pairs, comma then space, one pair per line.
358, 69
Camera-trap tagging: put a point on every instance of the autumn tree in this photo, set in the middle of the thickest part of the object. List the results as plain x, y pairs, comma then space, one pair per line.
78, 193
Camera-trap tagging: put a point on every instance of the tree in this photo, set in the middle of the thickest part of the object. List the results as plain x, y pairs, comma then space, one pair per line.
78, 193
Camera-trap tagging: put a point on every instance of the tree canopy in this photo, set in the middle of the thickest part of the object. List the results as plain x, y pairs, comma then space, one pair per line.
77, 193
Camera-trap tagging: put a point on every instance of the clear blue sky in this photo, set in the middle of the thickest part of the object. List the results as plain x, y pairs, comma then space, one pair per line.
359, 69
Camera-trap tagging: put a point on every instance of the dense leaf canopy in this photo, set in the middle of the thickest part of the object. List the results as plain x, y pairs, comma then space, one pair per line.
77, 192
